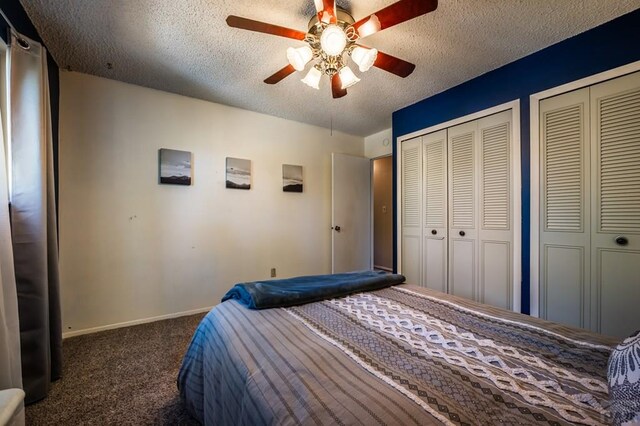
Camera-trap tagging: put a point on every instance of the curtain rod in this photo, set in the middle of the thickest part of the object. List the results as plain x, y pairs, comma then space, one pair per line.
22, 42
7, 20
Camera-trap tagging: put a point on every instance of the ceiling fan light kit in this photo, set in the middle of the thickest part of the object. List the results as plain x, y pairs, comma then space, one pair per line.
333, 37
365, 58
347, 77
299, 57
333, 40
312, 79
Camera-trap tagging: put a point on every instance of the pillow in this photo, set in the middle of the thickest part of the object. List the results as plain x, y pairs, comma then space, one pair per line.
624, 381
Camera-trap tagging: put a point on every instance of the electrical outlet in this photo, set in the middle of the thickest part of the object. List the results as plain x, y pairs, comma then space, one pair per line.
273, 272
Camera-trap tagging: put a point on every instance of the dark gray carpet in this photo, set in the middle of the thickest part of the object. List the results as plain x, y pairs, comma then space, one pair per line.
120, 377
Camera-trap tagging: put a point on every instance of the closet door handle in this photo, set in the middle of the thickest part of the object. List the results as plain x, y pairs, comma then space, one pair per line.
434, 232
462, 233
622, 241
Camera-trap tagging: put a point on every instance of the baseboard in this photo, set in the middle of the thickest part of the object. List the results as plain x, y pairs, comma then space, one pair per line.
74, 333
384, 268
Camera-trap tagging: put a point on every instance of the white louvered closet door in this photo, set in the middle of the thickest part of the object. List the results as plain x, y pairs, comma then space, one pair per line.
458, 210
495, 231
463, 209
615, 183
434, 235
564, 204
412, 210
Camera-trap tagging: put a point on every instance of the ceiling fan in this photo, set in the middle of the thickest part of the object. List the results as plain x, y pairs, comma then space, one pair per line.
333, 36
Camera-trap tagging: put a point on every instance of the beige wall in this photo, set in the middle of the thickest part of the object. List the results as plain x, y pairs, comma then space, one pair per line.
379, 144
383, 213
132, 249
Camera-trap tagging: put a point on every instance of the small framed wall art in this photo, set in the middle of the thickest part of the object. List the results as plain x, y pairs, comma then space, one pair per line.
291, 178
238, 175
174, 166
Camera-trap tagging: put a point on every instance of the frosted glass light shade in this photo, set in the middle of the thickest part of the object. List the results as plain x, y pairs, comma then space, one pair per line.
347, 77
299, 57
364, 57
333, 40
312, 79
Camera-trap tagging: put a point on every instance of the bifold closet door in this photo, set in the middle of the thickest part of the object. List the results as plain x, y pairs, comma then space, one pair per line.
412, 210
434, 234
457, 210
495, 227
565, 213
481, 210
590, 207
615, 206
463, 170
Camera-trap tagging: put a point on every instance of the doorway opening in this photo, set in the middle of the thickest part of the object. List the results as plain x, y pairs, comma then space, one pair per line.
382, 212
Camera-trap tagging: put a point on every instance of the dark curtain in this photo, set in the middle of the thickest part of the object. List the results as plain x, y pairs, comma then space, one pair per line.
33, 217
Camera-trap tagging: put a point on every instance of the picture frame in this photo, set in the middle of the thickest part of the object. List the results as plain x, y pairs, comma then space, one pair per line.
238, 173
292, 180
174, 167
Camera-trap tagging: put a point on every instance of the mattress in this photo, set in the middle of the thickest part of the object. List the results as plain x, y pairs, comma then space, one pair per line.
403, 355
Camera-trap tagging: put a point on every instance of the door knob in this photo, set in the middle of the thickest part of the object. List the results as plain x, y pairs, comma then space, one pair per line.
462, 233
336, 228
622, 241
434, 232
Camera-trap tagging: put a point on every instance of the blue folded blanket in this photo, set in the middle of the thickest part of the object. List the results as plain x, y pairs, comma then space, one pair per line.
312, 288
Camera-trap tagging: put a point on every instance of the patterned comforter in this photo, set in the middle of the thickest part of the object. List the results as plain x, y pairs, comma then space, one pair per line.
403, 355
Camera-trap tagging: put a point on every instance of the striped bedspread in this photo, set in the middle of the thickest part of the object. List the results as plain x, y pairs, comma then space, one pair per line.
398, 356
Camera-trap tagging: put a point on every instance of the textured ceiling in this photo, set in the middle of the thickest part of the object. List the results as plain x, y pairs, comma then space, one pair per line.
186, 47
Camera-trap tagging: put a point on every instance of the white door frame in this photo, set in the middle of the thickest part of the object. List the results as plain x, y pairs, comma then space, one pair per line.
514, 106
534, 143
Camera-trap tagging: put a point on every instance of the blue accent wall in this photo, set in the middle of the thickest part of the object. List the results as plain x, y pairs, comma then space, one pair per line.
608, 46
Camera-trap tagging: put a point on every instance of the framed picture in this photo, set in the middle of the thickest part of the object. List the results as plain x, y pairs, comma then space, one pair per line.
174, 166
238, 174
291, 178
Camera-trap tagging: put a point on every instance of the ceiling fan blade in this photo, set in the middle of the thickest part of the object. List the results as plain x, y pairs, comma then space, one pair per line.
262, 27
394, 14
326, 11
394, 65
336, 87
280, 75
330, 9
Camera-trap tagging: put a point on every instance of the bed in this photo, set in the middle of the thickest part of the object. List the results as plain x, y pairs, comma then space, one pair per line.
401, 355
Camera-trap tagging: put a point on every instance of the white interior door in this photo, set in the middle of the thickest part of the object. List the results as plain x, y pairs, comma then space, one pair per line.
351, 213
463, 210
459, 210
495, 230
590, 207
615, 206
564, 208
434, 234
411, 203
